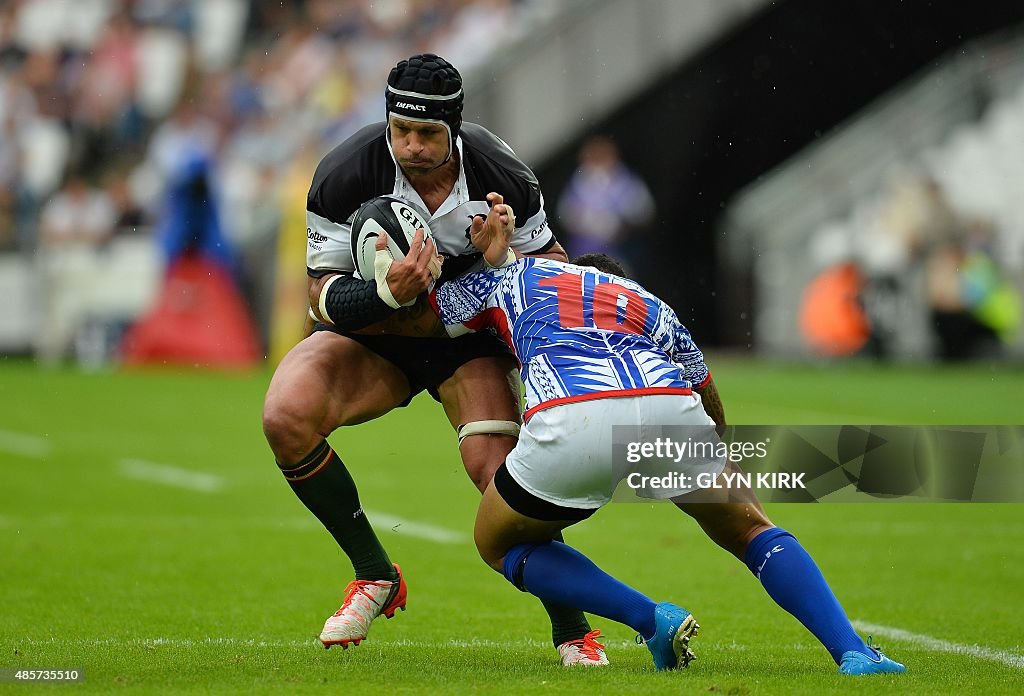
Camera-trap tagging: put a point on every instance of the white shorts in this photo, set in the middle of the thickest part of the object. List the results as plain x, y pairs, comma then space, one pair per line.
565, 453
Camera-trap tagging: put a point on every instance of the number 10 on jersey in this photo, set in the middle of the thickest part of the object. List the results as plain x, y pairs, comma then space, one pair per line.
603, 301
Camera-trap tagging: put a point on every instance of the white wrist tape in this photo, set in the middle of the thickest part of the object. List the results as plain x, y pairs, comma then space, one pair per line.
434, 266
382, 261
510, 258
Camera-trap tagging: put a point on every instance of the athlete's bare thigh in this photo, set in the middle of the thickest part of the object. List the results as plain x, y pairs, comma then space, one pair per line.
731, 517
483, 389
325, 382
499, 527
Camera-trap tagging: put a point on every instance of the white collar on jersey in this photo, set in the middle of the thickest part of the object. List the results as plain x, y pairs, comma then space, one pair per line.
403, 188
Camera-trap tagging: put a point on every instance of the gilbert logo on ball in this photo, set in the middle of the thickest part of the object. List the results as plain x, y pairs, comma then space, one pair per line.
396, 217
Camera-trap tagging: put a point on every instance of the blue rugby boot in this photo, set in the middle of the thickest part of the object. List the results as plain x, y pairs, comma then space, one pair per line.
855, 662
670, 646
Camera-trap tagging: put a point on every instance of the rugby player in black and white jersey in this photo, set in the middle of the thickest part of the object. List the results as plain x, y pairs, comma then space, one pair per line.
356, 366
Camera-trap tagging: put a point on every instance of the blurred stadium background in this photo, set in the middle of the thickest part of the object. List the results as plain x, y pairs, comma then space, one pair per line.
829, 193
796, 178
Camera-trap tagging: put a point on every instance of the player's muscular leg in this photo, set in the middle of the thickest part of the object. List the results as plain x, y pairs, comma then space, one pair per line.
498, 528
736, 521
488, 389
483, 389
324, 382
731, 517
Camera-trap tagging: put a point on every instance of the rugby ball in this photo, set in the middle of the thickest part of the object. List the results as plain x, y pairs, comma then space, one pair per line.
397, 217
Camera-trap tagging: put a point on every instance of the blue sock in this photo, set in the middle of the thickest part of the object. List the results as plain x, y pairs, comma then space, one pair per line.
559, 573
793, 580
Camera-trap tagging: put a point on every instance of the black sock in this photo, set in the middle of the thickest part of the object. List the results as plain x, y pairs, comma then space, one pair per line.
324, 485
566, 623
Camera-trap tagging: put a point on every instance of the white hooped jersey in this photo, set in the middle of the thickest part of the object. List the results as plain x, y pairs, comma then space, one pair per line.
578, 333
364, 167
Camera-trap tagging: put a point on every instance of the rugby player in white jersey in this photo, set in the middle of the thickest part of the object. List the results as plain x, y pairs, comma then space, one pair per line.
352, 368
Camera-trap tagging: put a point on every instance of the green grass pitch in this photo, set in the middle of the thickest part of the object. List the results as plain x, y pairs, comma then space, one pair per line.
222, 586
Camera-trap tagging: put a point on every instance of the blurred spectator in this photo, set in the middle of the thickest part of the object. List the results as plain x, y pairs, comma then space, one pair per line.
973, 305
191, 221
604, 204
921, 246
187, 134
11, 53
10, 154
832, 319
105, 116
78, 217
75, 225
130, 217
254, 234
932, 282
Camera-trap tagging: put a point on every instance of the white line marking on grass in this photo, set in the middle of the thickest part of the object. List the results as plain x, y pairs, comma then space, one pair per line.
927, 642
461, 644
939, 645
262, 643
167, 475
24, 445
155, 522
420, 530
166, 642
381, 521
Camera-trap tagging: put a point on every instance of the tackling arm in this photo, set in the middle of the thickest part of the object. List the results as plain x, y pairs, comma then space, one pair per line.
555, 253
492, 235
417, 321
712, 403
675, 340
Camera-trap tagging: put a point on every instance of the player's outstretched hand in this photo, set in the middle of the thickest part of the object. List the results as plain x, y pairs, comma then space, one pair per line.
492, 235
408, 277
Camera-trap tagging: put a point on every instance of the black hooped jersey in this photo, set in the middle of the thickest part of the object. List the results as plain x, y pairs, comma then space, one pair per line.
364, 167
